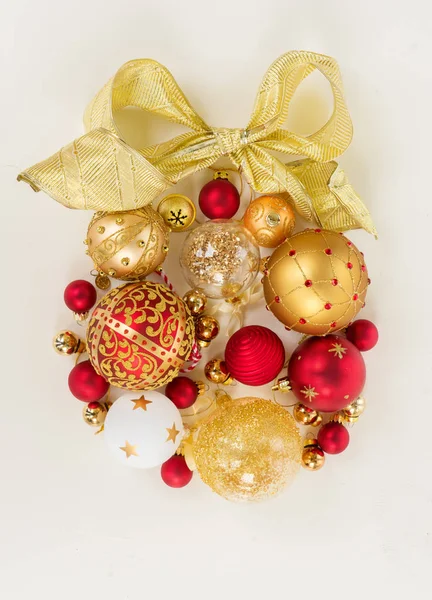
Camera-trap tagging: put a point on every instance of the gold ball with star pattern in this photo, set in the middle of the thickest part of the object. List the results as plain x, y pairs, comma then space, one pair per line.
143, 430
316, 282
128, 245
177, 211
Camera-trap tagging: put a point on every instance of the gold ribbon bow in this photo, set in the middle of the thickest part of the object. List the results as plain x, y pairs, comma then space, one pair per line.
100, 171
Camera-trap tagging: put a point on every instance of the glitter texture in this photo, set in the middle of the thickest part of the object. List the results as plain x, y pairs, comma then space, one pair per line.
220, 258
248, 450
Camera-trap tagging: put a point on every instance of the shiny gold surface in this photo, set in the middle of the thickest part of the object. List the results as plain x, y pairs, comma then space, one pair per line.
316, 282
216, 372
313, 457
127, 247
67, 343
100, 171
94, 413
306, 416
248, 450
353, 411
177, 211
195, 301
206, 328
270, 220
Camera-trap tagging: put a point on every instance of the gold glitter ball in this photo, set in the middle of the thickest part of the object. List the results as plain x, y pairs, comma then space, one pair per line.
220, 258
248, 450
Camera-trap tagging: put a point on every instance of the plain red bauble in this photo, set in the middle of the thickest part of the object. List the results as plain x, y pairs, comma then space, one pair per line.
219, 199
363, 334
333, 437
326, 373
85, 384
254, 355
175, 472
80, 296
182, 391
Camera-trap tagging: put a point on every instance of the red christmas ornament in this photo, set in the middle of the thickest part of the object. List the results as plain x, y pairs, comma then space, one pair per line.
254, 355
85, 384
363, 334
219, 199
175, 472
333, 437
80, 296
140, 335
326, 373
182, 391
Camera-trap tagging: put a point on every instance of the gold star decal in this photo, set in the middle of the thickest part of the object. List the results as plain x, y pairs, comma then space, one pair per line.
309, 393
141, 403
338, 350
172, 433
129, 450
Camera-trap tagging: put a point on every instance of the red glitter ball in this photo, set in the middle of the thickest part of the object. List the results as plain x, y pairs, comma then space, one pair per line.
292, 252
328, 251
327, 306
335, 281
308, 283
302, 321
349, 265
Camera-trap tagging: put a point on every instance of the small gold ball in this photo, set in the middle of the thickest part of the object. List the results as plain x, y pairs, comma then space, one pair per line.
112, 273
67, 343
102, 281
94, 413
165, 248
352, 412
119, 220
220, 175
313, 457
195, 301
217, 372
306, 416
206, 328
125, 261
100, 229
141, 243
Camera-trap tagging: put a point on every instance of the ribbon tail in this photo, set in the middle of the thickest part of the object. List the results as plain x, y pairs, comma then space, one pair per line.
336, 204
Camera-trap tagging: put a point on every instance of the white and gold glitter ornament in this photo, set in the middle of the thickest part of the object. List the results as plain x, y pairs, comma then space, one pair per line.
249, 449
220, 258
143, 430
128, 245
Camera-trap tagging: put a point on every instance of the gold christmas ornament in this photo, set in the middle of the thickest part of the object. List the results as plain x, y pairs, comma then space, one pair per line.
282, 385
102, 281
248, 450
316, 282
81, 318
216, 371
196, 302
94, 413
67, 343
220, 258
313, 457
177, 211
306, 416
270, 220
206, 330
128, 245
353, 411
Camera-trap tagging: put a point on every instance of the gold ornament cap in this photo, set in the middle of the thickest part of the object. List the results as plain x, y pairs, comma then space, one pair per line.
177, 211
216, 371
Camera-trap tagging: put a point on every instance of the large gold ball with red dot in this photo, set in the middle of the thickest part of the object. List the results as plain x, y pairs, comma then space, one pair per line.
316, 282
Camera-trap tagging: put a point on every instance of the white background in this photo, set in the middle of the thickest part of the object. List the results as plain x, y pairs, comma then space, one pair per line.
76, 525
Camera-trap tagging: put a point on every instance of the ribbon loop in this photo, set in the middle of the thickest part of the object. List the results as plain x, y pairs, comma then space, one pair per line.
100, 171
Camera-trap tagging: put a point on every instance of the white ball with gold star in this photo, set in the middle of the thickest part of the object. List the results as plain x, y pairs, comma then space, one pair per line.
143, 430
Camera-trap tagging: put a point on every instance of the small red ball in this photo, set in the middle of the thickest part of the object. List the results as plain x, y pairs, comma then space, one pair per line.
326, 373
363, 334
80, 296
219, 199
333, 437
182, 391
175, 472
85, 384
254, 355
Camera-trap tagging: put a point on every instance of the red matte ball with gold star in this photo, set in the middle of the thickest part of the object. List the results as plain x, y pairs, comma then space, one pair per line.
140, 335
326, 373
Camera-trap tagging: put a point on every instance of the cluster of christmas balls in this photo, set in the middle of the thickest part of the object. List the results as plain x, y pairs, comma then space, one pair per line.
141, 336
